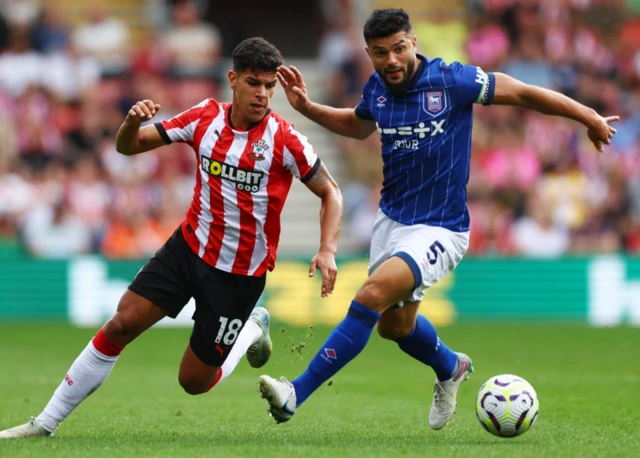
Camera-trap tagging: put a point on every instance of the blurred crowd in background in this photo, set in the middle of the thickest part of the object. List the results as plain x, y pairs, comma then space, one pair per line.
64, 92
537, 187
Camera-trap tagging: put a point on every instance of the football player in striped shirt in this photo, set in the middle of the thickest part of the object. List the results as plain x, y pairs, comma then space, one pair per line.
247, 157
422, 109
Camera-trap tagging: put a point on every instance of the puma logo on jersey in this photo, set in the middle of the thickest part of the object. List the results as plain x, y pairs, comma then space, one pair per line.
246, 180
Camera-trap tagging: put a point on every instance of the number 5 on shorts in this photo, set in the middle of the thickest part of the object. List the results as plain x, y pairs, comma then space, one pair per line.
232, 332
434, 245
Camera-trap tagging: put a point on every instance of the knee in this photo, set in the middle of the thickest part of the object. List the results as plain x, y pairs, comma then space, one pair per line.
394, 330
193, 386
122, 327
194, 383
372, 295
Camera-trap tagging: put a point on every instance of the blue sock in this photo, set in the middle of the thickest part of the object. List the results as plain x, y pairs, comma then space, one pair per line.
424, 345
343, 344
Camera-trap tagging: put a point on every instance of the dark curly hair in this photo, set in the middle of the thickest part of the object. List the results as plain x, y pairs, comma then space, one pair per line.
256, 54
386, 22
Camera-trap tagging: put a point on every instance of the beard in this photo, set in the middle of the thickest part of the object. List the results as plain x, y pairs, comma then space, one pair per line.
401, 87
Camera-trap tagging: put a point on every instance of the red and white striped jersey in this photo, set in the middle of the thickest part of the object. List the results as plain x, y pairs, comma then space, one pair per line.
242, 182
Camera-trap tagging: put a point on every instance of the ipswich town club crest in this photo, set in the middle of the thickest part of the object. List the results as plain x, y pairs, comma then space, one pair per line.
436, 102
259, 148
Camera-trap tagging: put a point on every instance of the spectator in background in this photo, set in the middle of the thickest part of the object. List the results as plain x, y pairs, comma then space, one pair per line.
49, 33
528, 63
56, 232
488, 44
104, 38
70, 75
342, 57
38, 138
20, 65
122, 238
151, 57
536, 234
16, 192
194, 46
89, 196
20, 12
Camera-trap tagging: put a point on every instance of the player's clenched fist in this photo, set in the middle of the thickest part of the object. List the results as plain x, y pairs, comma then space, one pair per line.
142, 111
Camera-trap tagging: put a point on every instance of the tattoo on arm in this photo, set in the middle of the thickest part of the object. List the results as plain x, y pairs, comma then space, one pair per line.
321, 182
321, 176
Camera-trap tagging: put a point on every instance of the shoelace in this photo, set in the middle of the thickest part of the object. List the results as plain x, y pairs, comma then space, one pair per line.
439, 393
440, 396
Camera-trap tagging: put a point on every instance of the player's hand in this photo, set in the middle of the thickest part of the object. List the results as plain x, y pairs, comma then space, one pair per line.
142, 111
600, 132
294, 87
326, 262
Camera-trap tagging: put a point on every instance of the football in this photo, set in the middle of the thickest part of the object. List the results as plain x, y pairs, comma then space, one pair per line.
507, 405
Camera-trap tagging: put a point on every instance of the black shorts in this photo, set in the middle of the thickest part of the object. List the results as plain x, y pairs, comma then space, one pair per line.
224, 300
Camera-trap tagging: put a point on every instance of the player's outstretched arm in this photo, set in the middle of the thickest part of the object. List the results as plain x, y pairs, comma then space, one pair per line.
510, 91
342, 121
325, 187
131, 139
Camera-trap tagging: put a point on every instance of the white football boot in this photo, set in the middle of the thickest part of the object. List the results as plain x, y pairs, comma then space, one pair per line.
444, 393
259, 353
281, 396
31, 429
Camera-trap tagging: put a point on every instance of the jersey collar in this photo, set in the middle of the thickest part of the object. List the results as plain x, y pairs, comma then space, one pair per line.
252, 125
418, 74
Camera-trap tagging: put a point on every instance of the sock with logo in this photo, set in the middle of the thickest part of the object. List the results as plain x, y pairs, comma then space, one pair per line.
249, 335
424, 345
344, 343
86, 374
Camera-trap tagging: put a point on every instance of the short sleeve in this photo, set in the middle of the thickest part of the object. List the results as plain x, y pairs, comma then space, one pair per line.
299, 157
181, 128
363, 109
473, 84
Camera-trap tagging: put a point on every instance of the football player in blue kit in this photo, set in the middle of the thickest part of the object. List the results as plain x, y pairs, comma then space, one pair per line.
422, 109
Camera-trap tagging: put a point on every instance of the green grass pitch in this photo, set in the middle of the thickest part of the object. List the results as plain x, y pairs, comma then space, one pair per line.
588, 383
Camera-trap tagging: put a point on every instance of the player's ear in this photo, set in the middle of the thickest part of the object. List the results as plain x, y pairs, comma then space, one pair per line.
233, 79
366, 48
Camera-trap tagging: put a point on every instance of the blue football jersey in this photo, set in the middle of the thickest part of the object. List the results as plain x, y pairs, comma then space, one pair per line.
426, 141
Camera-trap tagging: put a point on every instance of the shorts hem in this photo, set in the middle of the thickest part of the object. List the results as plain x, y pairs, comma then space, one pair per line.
417, 274
165, 307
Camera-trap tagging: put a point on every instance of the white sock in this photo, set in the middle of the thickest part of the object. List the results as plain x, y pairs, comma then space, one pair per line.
86, 374
249, 335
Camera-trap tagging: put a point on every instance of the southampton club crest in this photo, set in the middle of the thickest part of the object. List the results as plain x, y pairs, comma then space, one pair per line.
259, 148
436, 102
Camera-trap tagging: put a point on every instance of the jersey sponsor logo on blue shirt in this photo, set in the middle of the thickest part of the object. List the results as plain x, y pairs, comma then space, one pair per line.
421, 129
